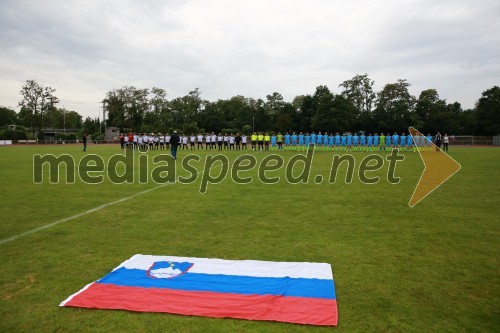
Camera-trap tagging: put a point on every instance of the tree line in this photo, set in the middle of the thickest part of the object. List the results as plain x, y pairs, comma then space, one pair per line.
355, 107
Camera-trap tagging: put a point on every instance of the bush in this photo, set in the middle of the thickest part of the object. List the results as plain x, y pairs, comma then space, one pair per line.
247, 129
13, 135
71, 136
66, 137
229, 131
191, 128
147, 129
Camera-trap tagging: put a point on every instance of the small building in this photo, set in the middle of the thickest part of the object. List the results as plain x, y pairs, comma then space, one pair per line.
112, 134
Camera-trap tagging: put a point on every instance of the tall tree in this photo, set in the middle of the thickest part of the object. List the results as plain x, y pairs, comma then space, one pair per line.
428, 103
274, 103
187, 108
395, 107
92, 126
488, 112
37, 99
211, 118
359, 90
344, 114
126, 107
324, 117
306, 113
159, 115
64, 118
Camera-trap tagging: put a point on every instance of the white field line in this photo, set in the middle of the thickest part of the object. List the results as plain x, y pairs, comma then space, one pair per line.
67, 219
32, 231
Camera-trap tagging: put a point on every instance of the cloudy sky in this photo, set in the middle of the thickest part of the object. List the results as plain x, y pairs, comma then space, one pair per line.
252, 48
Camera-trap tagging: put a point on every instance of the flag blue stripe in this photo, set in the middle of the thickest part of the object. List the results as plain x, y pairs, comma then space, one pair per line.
247, 285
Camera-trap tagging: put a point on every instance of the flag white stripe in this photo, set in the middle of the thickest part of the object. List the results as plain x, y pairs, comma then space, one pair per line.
238, 267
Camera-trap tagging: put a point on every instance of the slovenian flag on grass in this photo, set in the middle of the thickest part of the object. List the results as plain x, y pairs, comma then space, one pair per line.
295, 292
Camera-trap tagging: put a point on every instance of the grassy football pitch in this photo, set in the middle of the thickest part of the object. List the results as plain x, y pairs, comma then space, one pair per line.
434, 267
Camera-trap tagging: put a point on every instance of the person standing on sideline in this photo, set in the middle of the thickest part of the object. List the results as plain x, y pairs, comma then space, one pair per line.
381, 141
243, 141
208, 143
237, 140
174, 143
267, 139
279, 140
260, 141
254, 140
438, 141
200, 141
446, 141
84, 140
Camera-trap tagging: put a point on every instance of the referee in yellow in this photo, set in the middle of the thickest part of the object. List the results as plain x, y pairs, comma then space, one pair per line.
254, 141
267, 139
260, 140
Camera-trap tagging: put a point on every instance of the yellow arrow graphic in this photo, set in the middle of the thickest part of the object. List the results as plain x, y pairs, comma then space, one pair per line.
438, 167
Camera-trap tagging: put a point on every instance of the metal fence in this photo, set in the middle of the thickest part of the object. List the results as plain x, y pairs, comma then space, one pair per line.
471, 140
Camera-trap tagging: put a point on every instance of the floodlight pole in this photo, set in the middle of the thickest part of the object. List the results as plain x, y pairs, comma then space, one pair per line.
104, 113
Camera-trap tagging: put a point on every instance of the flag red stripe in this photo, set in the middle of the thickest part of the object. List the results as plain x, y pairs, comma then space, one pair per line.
300, 310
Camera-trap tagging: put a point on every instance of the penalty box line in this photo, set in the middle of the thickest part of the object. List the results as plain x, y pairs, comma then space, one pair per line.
32, 231
95, 209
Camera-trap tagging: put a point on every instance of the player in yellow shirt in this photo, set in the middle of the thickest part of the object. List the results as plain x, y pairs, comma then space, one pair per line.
267, 139
260, 141
254, 140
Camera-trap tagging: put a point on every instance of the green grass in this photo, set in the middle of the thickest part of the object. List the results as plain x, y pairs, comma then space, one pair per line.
434, 267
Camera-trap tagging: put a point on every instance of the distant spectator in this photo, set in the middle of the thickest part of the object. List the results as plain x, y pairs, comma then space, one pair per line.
437, 141
84, 140
446, 141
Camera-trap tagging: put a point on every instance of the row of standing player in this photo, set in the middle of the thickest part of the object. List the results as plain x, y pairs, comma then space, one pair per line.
261, 141
208, 141
344, 142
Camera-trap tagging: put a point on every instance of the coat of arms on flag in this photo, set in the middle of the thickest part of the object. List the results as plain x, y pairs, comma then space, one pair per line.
295, 292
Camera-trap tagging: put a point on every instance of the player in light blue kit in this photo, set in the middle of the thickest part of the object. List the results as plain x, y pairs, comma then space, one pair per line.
337, 142
319, 141
388, 142
344, 143
355, 141
331, 141
429, 142
301, 141
313, 140
287, 141
273, 142
294, 141
376, 139
308, 140
409, 143
362, 141
395, 140
349, 142
402, 142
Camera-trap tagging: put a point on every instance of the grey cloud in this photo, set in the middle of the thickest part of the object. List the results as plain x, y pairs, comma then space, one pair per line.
85, 48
